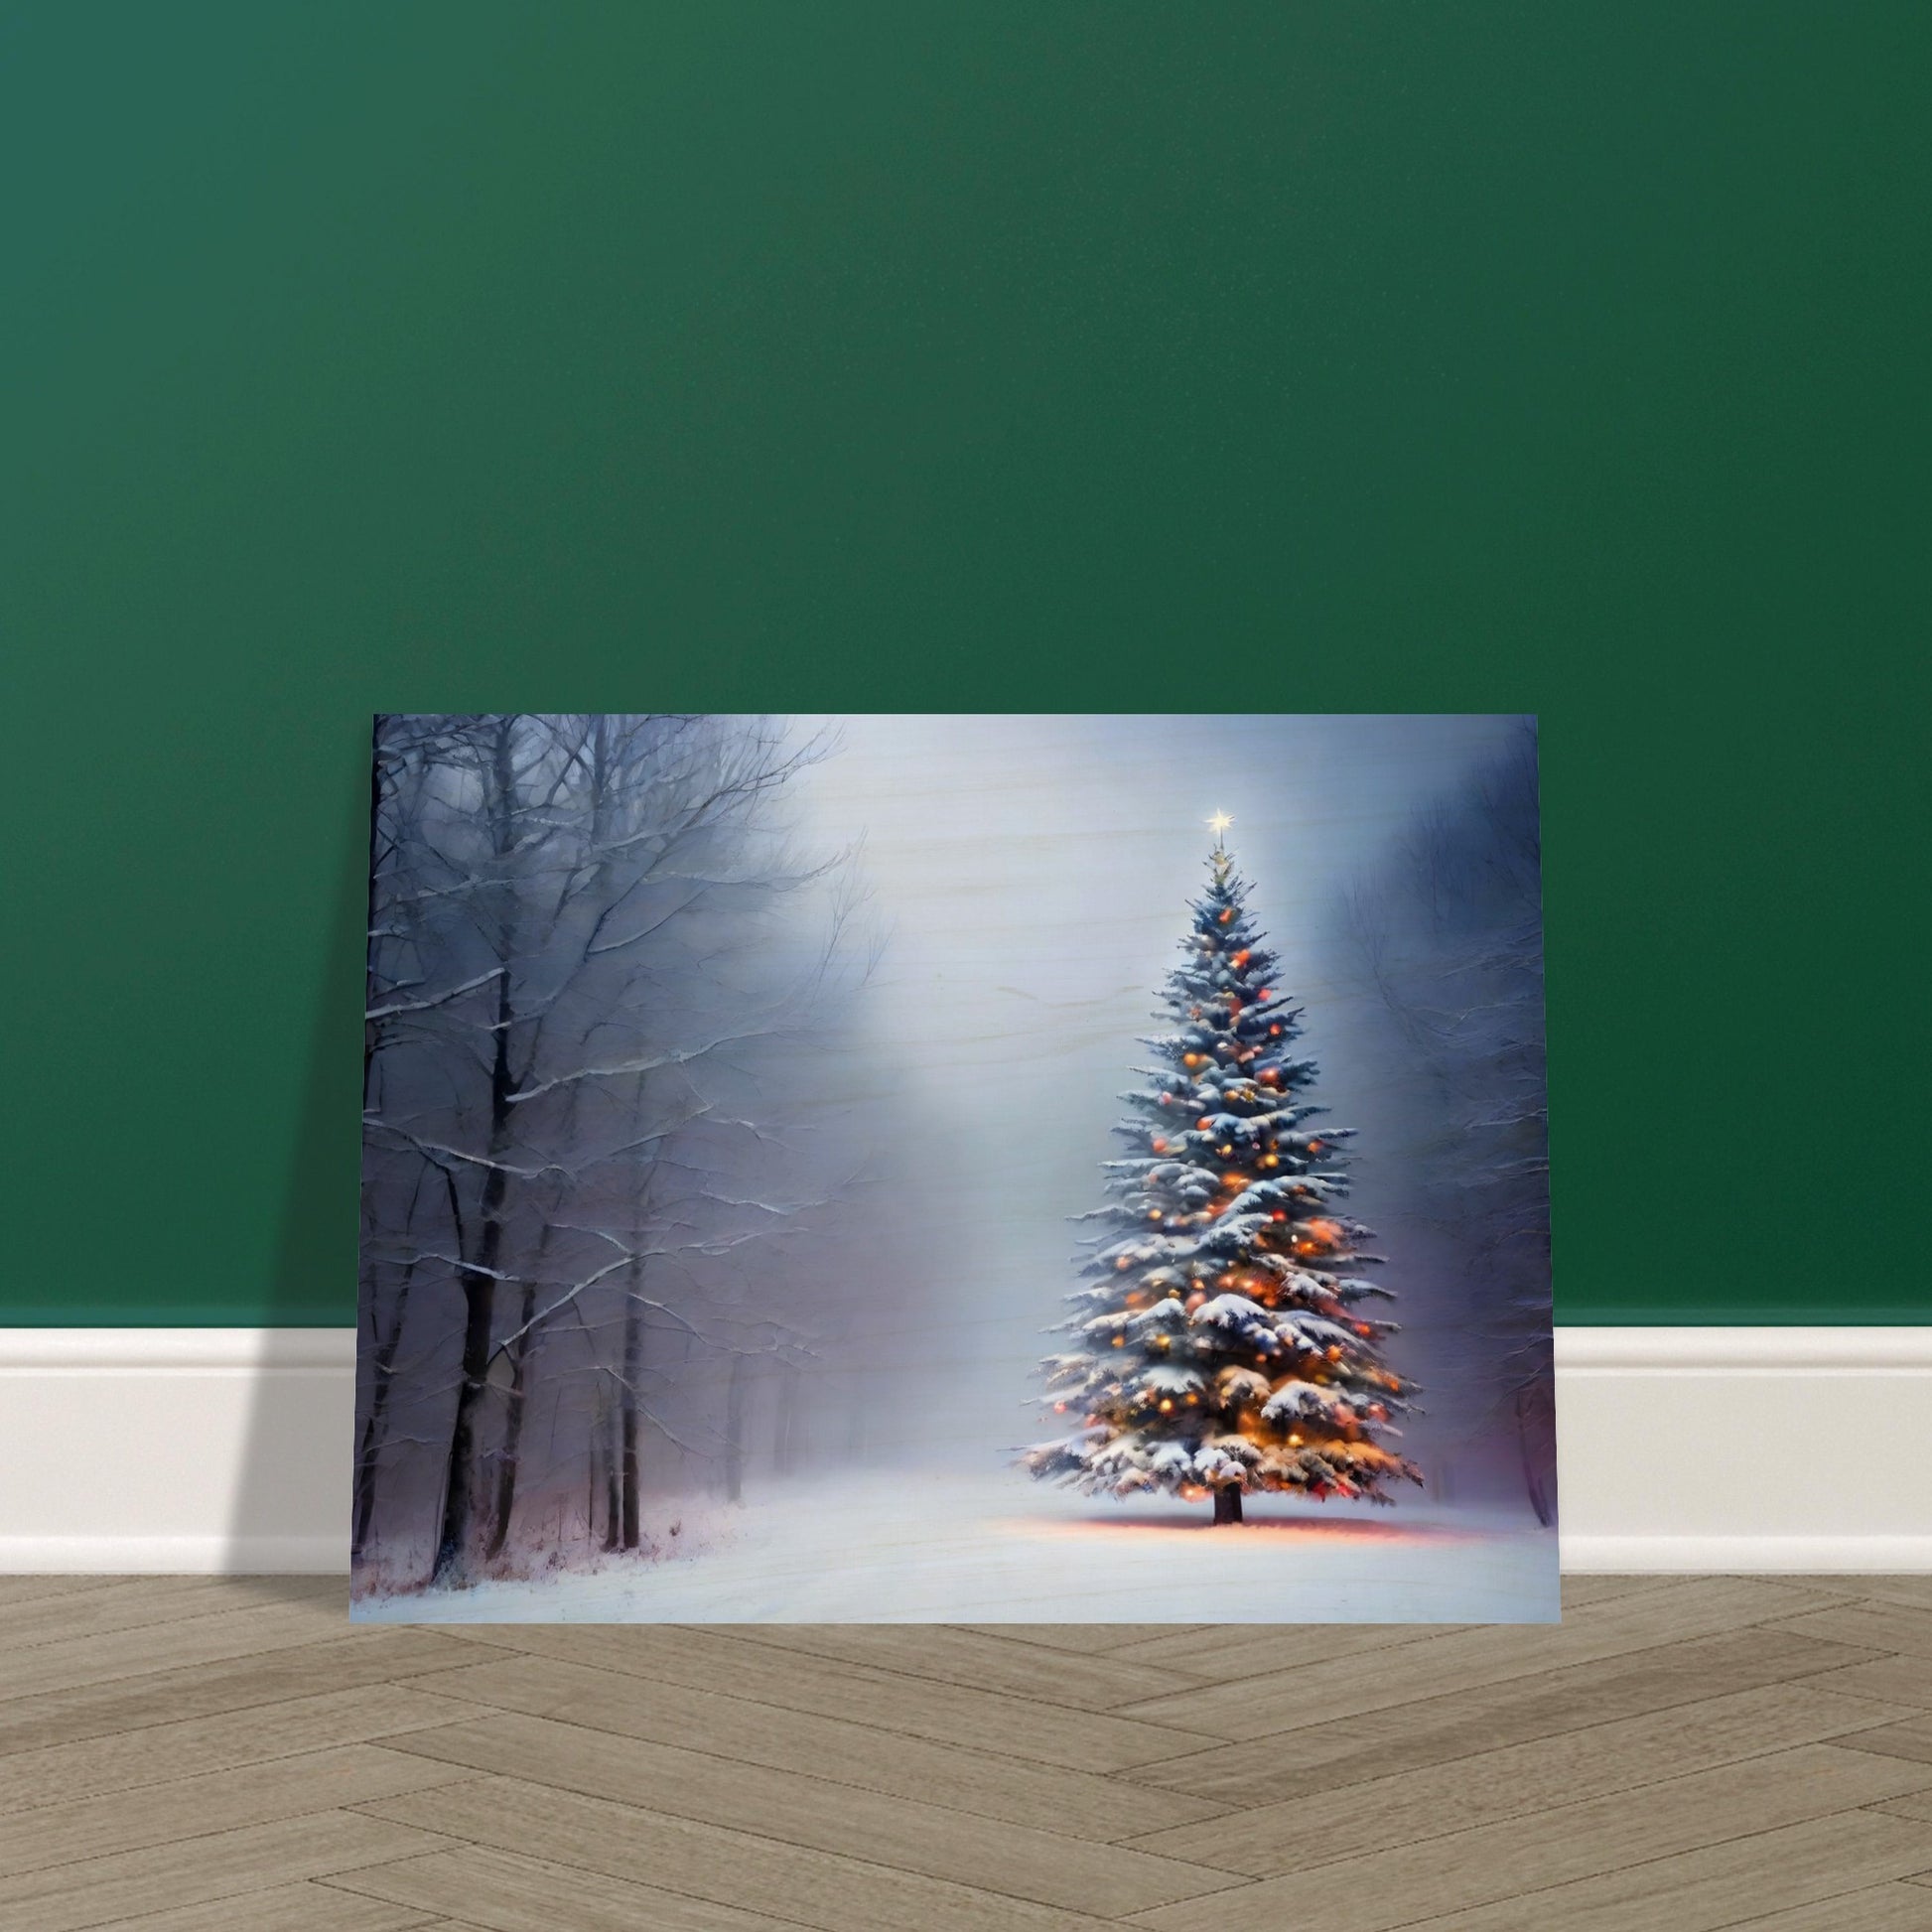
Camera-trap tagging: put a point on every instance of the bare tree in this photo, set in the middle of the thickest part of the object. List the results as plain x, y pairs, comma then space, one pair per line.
1449, 934
578, 937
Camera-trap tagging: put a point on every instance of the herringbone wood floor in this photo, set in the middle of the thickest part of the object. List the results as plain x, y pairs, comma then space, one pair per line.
188, 1755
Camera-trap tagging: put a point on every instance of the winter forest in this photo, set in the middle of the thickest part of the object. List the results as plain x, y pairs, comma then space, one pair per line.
738, 1096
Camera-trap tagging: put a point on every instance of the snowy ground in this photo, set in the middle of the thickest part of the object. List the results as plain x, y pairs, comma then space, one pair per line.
922, 1548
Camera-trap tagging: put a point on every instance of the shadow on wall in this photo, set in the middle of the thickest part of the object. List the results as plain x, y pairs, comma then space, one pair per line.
289, 1509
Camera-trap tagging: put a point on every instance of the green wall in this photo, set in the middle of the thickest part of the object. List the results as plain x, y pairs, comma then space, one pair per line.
974, 355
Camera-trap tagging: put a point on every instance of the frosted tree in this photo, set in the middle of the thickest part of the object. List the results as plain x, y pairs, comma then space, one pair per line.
1448, 932
596, 967
1219, 1346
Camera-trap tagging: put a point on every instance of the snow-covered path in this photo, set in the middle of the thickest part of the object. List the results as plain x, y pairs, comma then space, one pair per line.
922, 1548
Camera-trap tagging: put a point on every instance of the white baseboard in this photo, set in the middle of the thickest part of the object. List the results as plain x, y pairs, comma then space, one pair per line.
1726, 1449
226, 1451
186, 1451
219, 1554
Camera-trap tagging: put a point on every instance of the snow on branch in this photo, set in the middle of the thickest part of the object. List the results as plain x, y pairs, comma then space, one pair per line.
649, 1063
435, 1000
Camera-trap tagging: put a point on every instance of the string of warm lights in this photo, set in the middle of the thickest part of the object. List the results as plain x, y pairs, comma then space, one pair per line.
1219, 1349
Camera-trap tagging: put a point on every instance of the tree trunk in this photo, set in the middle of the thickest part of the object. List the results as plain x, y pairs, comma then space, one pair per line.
459, 1481
479, 1280
735, 1432
479, 1310
374, 1429
1526, 1449
784, 1424
516, 1400
1227, 1506
522, 1363
613, 1493
634, 1367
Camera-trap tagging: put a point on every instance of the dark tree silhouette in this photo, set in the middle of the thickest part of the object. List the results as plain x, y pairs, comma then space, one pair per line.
578, 936
1448, 931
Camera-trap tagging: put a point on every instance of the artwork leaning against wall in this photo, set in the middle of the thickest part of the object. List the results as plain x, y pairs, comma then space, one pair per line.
915, 1168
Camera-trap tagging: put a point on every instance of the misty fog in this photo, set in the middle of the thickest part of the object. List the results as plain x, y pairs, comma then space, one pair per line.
731, 1084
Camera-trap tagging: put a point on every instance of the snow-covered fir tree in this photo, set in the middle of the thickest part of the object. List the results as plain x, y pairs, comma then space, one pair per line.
1219, 1345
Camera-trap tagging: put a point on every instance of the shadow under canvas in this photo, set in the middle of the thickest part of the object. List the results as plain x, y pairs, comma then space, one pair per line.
297, 1458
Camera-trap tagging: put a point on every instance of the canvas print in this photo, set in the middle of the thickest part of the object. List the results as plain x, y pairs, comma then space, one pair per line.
970, 1168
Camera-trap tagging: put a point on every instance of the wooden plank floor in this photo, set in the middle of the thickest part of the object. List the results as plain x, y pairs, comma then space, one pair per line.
188, 1755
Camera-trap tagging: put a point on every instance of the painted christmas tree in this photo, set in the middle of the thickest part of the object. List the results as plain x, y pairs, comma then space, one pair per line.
1219, 1346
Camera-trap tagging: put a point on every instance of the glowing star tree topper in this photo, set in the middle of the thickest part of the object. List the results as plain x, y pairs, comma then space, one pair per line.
1219, 1345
